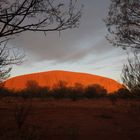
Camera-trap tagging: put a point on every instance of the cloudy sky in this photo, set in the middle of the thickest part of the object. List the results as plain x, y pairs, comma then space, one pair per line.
82, 50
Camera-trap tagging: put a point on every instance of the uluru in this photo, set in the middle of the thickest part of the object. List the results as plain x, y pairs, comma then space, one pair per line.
51, 78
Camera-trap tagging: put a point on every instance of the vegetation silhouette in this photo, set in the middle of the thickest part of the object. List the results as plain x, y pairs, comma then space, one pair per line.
58, 91
122, 22
61, 90
131, 74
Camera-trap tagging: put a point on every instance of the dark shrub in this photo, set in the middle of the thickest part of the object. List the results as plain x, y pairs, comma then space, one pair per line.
90, 92
101, 91
34, 90
60, 90
95, 91
123, 93
135, 93
77, 92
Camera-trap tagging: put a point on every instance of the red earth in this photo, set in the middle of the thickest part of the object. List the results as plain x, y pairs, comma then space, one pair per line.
70, 120
51, 78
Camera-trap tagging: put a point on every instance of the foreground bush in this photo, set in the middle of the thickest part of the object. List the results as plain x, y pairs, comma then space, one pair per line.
131, 74
123, 93
59, 91
95, 91
62, 90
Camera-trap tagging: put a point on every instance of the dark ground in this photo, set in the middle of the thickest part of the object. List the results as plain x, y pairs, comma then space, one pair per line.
69, 120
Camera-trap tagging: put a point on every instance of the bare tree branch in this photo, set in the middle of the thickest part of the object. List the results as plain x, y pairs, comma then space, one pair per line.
123, 23
8, 57
131, 73
38, 15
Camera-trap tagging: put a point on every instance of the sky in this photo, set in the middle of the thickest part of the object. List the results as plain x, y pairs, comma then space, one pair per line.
84, 49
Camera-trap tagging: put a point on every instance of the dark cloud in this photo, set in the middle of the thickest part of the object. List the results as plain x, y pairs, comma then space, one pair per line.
82, 46
72, 44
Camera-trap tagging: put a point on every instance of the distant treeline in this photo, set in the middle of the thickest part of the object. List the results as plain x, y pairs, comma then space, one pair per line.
61, 90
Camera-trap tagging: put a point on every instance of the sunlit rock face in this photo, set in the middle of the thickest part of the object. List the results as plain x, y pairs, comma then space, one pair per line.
51, 78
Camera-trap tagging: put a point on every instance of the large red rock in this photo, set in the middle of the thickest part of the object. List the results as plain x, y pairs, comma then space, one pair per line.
51, 78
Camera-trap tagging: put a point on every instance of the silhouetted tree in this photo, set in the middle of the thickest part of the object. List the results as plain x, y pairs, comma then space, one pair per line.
60, 90
32, 85
123, 23
17, 16
123, 93
90, 91
8, 57
101, 91
32, 89
77, 91
131, 74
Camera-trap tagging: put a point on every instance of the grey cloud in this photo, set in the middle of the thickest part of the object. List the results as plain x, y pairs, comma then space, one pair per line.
70, 46
84, 49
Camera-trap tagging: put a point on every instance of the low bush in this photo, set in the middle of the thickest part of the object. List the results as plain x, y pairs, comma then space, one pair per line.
62, 90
